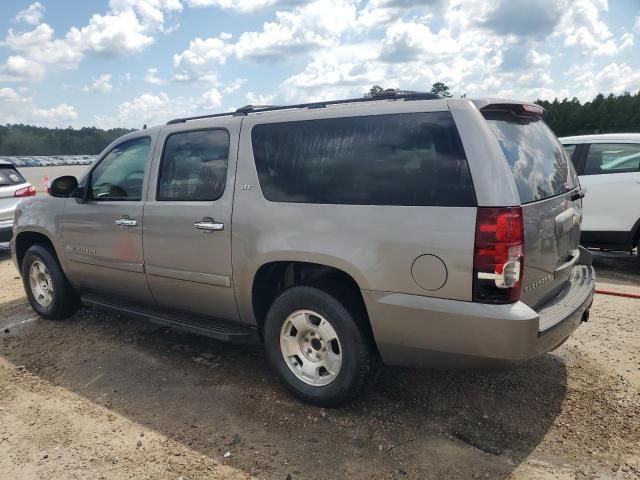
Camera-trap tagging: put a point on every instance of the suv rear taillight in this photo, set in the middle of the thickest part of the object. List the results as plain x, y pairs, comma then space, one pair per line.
29, 191
499, 255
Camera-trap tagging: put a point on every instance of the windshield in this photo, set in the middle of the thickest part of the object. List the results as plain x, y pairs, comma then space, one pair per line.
540, 165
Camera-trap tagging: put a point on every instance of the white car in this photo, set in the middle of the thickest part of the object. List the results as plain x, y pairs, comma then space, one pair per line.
609, 170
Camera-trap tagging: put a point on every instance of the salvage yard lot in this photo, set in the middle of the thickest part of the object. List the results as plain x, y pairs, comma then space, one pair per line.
104, 396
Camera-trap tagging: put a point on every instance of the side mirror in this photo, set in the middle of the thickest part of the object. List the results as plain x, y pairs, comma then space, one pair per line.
63, 186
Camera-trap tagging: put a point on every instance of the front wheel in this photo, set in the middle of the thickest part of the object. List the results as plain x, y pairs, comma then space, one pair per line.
317, 347
46, 285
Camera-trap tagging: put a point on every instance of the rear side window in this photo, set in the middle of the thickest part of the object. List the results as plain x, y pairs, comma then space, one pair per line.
10, 176
612, 158
539, 164
194, 166
401, 159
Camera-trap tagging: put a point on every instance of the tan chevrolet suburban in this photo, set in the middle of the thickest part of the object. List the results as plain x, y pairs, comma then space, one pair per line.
405, 229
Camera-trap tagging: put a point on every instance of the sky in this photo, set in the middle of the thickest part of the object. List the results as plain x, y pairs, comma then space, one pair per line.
126, 63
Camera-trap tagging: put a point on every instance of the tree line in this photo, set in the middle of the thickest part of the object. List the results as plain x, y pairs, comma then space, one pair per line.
612, 113
30, 140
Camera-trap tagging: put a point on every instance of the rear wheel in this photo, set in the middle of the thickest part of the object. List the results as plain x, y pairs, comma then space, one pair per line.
317, 347
46, 285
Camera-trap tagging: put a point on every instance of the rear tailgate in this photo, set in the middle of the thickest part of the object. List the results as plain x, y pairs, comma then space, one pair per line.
549, 193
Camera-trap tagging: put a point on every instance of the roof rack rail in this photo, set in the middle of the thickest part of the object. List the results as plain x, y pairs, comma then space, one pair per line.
385, 95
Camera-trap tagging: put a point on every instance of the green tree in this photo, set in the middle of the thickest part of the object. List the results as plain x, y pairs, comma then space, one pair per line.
441, 89
603, 114
375, 90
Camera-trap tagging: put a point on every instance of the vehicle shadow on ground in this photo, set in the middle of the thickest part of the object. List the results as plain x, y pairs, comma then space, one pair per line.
619, 268
217, 397
5, 252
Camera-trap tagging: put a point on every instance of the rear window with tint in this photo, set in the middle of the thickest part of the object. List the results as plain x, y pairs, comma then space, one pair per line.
401, 159
539, 163
10, 176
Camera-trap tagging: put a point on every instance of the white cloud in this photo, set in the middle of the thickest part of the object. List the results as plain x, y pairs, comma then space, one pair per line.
21, 109
101, 84
201, 61
31, 15
145, 109
244, 6
582, 27
115, 34
8, 95
234, 85
538, 59
152, 77
636, 26
315, 25
339, 73
406, 42
18, 68
376, 13
258, 99
151, 13
39, 50
626, 41
126, 28
613, 78
211, 99
153, 109
524, 19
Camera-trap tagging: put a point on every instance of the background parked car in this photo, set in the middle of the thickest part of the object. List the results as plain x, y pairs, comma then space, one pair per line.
609, 170
13, 187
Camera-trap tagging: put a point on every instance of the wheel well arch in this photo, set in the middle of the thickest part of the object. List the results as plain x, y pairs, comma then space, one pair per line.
273, 278
24, 240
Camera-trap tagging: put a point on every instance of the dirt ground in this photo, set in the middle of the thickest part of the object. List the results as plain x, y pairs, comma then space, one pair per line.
106, 397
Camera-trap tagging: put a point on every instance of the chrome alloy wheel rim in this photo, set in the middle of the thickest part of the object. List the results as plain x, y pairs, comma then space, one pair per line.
311, 348
41, 283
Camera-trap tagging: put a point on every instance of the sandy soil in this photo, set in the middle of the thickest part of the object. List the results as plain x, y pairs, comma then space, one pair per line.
102, 396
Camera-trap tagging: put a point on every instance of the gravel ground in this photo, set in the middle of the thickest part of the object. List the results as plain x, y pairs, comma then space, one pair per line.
103, 396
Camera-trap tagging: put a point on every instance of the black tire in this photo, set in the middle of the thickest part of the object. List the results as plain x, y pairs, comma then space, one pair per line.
359, 360
64, 299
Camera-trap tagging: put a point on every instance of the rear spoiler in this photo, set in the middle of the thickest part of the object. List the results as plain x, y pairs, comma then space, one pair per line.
519, 108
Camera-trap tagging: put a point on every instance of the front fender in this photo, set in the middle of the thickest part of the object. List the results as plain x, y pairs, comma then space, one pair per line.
42, 215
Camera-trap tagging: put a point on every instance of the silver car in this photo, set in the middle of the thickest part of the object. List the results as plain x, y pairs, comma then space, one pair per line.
408, 230
13, 188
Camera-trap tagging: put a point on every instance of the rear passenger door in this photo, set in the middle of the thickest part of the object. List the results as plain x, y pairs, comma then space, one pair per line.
187, 218
611, 177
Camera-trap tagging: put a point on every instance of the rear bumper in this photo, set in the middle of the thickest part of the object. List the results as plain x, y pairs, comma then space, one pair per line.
6, 230
418, 331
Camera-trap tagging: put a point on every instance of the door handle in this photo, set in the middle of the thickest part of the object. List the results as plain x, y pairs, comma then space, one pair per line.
126, 222
209, 225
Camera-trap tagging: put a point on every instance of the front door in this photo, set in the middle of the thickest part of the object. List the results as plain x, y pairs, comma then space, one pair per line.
187, 218
103, 235
611, 178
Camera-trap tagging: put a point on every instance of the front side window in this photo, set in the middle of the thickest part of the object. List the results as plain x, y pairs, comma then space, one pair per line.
400, 159
120, 175
612, 158
194, 166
